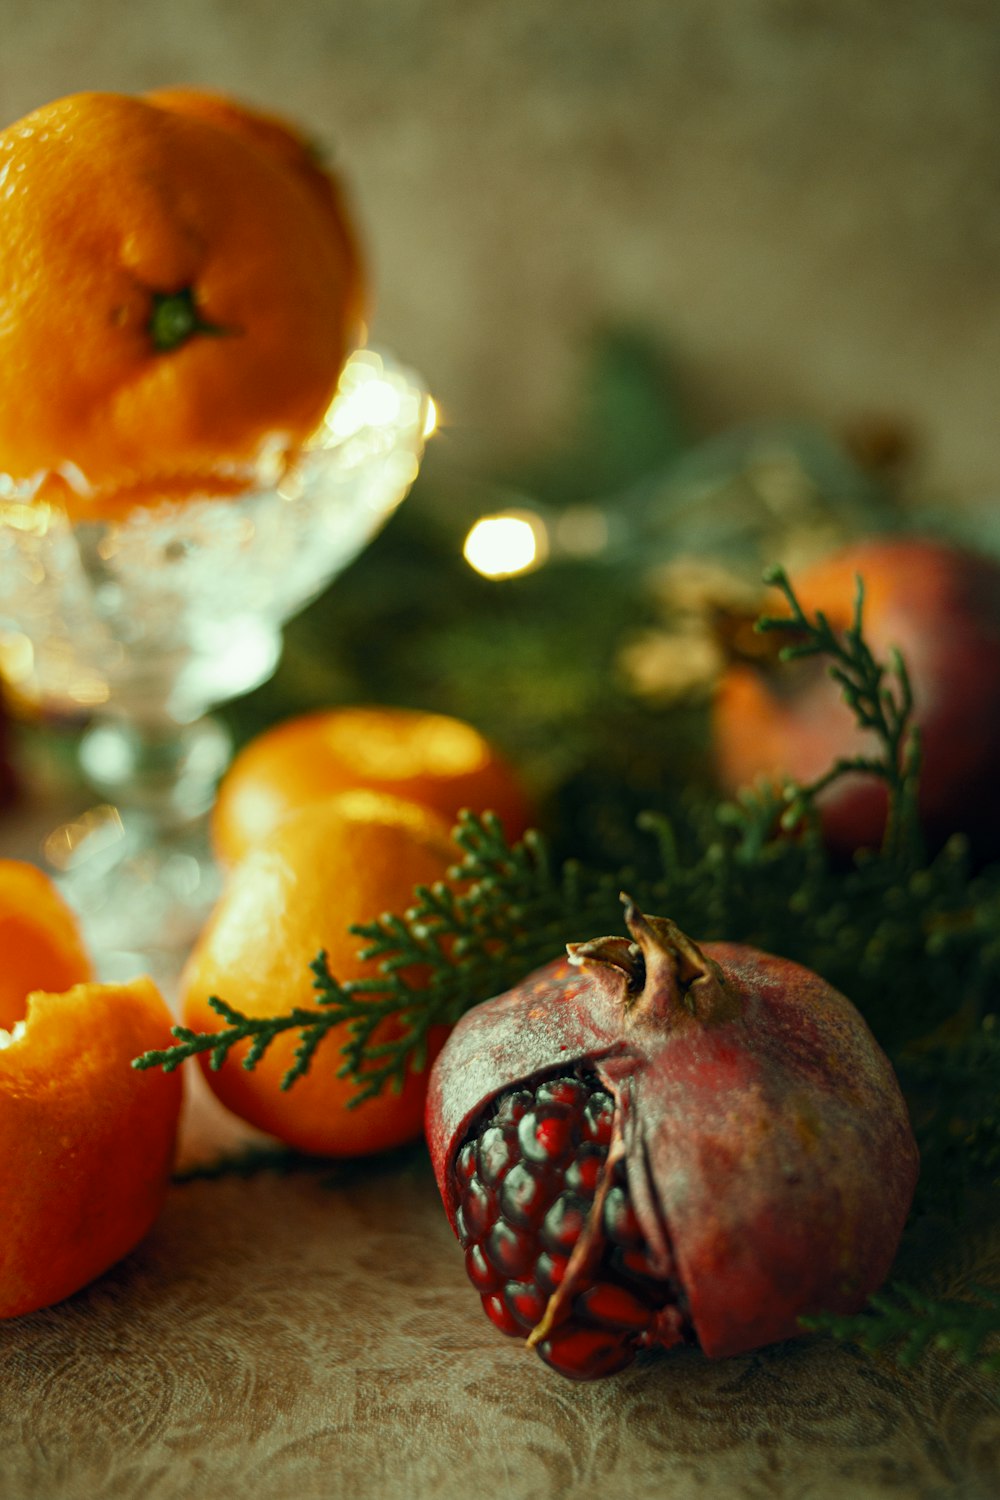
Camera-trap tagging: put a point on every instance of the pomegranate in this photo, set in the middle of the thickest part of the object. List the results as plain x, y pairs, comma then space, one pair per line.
649, 1143
939, 606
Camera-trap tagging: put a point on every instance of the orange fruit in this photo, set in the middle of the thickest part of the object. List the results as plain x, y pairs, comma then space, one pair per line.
343, 860
175, 296
86, 1142
436, 761
39, 939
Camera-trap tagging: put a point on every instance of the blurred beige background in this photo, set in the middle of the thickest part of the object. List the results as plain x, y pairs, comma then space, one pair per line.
803, 198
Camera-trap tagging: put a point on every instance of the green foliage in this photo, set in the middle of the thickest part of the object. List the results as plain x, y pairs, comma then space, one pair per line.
881, 701
905, 1322
903, 936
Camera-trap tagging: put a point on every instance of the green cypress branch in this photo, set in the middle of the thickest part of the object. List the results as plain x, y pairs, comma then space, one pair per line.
881, 700
908, 1323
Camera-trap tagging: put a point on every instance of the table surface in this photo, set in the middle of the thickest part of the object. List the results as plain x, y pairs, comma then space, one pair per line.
311, 1333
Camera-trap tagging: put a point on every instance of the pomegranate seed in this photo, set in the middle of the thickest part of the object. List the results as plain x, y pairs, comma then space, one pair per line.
636, 1263
620, 1222
550, 1269
545, 1138
484, 1277
598, 1119
465, 1165
525, 1303
614, 1307
511, 1251
480, 1208
562, 1091
583, 1174
497, 1150
513, 1105
585, 1353
527, 1194
563, 1224
497, 1309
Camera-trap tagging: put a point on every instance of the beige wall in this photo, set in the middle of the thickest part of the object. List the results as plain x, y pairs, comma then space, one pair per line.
804, 198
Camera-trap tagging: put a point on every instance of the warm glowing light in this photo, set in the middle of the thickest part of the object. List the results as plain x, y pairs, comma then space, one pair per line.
430, 418
371, 403
504, 545
17, 657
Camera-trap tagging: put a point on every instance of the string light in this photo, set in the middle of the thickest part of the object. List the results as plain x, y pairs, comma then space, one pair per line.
508, 544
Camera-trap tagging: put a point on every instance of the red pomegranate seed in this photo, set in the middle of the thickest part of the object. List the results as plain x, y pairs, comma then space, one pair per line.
497, 1309
562, 1091
527, 1194
563, 1224
614, 1307
484, 1277
620, 1222
585, 1353
498, 1150
550, 1269
583, 1174
480, 1208
598, 1119
465, 1164
525, 1303
512, 1251
545, 1138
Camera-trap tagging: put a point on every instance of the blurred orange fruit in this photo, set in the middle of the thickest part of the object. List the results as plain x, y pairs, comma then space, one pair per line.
436, 761
176, 294
86, 1142
39, 939
343, 860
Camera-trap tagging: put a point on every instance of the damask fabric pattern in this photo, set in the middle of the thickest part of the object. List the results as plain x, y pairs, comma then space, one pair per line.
312, 1335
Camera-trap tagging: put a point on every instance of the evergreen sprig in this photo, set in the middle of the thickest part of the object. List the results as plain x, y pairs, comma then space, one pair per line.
507, 912
881, 699
905, 938
908, 1323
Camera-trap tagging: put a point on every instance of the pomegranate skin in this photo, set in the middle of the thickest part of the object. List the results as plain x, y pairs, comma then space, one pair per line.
940, 606
767, 1148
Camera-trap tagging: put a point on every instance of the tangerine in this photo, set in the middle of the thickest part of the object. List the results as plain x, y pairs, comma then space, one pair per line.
173, 296
86, 1144
39, 939
336, 862
431, 759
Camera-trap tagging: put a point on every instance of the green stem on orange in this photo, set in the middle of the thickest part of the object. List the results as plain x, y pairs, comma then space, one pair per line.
175, 318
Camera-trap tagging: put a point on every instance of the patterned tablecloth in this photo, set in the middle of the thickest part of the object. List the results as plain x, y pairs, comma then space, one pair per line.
311, 1335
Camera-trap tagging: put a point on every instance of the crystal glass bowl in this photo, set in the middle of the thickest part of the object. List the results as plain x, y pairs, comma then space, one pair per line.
141, 625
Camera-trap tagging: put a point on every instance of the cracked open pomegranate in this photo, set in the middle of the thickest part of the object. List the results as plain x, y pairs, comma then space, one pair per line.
650, 1143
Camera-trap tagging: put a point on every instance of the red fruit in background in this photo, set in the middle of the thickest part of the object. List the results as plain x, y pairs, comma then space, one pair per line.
651, 1143
940, 607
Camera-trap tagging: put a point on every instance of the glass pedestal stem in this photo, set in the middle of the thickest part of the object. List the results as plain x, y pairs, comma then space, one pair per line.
138, 869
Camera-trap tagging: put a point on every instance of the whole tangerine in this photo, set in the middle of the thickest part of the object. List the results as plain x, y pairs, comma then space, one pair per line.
431, 759
173, 297
331, 864
86, 1145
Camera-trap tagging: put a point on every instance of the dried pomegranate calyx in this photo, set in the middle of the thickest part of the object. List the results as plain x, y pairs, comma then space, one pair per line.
667, 973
